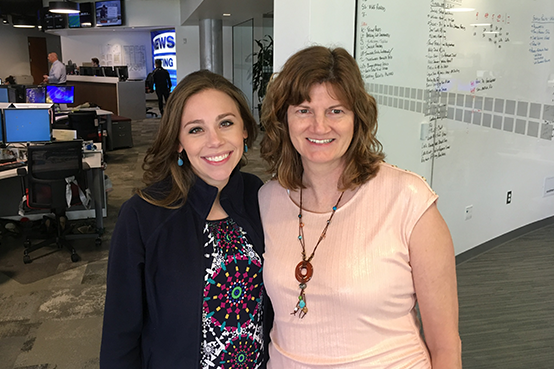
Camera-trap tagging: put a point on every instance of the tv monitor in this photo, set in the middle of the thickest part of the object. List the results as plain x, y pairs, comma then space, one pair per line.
60, 94
4, 96
35, 94
74, 19
109, 71
27, 125
122, 72
52, 20
108, 13
82, 19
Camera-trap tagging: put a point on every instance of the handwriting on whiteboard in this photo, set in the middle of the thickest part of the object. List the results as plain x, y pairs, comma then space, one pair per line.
540, 38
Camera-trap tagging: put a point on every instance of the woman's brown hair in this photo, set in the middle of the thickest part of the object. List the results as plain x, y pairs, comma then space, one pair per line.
160, 162
303, 70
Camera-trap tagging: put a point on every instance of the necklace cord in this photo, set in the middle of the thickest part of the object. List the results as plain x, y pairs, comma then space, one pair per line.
321, 236
304, 270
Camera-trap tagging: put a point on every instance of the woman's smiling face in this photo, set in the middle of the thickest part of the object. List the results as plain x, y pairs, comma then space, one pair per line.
212, 135
321, 129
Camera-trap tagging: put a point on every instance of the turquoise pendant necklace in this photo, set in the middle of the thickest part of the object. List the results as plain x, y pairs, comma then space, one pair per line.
304, 270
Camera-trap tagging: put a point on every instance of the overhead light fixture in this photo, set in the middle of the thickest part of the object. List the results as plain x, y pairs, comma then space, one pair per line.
226, 14
5, 20
63, 7
23, 22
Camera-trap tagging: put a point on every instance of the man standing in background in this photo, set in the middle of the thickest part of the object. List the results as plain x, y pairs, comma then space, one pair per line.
57, 74
162, 84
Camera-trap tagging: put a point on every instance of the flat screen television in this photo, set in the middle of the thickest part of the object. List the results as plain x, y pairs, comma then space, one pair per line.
60, 94
35, 94
26, 125
4, 96
82, 19
52, 20
108, 13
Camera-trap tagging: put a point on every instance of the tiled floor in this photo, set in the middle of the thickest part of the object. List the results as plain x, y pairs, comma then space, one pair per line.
506, 294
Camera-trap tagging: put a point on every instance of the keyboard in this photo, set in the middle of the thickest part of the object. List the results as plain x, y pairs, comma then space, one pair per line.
7, 160
11, 165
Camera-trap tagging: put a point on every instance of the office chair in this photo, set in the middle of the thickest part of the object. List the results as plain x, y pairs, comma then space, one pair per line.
86, 124
46, 187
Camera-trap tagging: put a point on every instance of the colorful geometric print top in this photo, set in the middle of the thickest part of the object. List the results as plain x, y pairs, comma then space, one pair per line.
232, 316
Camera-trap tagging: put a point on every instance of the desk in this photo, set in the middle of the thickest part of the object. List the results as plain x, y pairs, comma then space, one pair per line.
127, 98
11, 193
103, 115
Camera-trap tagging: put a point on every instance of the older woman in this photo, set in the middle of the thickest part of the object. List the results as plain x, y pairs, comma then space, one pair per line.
184, 286
352, 243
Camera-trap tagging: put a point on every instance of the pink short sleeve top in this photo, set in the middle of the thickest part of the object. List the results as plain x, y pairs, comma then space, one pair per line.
361, 297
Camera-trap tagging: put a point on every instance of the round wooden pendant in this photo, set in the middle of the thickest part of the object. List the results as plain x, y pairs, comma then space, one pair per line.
304, 271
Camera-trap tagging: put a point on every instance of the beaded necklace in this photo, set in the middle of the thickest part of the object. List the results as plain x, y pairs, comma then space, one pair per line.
304, 270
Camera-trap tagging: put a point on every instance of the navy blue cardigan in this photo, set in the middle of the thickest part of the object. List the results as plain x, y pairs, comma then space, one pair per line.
153, 310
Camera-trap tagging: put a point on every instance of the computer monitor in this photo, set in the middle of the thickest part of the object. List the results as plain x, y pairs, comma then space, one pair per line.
109, 71
17, 93
85, 70
4, 96
35, 94
27, 125
60, 94
122, 72
97, 71
1, 132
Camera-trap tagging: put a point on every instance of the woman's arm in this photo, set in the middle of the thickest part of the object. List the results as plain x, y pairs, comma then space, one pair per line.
123, 314
434, 273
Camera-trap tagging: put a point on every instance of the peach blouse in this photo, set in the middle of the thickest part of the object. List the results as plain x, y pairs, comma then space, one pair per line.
361, 297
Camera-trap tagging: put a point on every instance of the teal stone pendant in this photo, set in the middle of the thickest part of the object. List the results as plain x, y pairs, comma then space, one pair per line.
301, 307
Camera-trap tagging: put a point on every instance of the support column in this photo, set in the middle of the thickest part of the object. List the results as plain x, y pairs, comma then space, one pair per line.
211, 45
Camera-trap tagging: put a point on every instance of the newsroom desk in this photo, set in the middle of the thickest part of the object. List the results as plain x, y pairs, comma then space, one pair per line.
105, 123
124, 98
11, 193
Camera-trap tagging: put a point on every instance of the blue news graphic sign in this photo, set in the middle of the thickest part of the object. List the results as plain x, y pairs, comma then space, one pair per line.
163, 48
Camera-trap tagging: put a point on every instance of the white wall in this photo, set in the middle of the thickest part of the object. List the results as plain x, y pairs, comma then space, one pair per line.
81, 48
140, 13
301, 23
188, 50
15, 52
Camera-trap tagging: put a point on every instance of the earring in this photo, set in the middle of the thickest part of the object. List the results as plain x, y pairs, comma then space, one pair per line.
180, 160
245, 146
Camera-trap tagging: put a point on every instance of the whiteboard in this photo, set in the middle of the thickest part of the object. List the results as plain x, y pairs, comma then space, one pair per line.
466, 99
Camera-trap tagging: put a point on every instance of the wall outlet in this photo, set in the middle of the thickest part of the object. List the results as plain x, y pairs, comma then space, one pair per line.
509, 197
469, 212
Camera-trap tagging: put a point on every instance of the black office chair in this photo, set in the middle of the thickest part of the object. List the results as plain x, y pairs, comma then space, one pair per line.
86, 124
48, 167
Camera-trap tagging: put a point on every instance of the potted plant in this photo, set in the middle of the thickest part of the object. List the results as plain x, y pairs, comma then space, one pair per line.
262, 68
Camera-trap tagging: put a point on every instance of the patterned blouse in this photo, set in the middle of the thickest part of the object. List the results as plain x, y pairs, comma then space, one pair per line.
232, 316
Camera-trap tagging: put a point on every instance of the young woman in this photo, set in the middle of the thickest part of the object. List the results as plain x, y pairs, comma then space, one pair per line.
352, 243
184, 286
